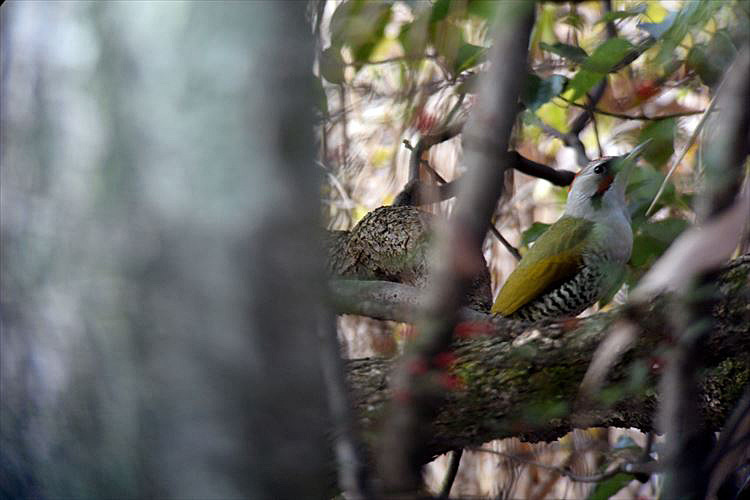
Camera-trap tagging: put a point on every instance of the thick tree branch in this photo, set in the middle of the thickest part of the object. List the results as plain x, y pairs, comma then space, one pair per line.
523, 382
534, 169
391, 301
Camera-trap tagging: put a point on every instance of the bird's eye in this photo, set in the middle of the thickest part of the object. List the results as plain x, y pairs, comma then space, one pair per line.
599, 169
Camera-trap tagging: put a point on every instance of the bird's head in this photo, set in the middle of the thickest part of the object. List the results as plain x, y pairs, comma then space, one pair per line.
600, 185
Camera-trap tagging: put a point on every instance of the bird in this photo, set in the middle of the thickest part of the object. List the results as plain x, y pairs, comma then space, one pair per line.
579, 258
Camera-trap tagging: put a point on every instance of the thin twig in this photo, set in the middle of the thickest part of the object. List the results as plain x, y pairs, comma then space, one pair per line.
344, 126
395, 60
510, 248
647, 447
728, 449
570, 140
596, 131
593, 99
580, 121
450, 476
337, 184
425, 143
685, 147
624, 116
560, 470
611, 28
455, 108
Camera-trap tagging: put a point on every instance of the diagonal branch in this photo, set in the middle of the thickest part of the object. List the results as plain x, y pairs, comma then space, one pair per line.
418, 193
640, 117
687, 446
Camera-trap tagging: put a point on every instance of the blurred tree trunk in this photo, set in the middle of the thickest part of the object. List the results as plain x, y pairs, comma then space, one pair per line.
156, 323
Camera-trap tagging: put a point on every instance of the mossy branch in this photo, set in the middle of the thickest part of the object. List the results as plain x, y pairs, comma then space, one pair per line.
512, 380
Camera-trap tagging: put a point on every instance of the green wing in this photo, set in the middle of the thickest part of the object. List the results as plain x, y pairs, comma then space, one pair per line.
555, 257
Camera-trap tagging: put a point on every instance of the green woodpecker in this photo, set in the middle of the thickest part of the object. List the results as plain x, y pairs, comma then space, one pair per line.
574, 263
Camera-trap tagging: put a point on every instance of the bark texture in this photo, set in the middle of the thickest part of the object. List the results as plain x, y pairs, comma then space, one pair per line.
392, 243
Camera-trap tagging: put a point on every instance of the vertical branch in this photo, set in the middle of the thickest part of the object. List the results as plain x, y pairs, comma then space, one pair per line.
580, 122
688, 444
344, 126
354, 478
450, 476
419, 383
596, 133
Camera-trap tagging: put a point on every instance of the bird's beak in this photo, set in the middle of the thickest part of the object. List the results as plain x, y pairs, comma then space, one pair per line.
638, 150
627, 162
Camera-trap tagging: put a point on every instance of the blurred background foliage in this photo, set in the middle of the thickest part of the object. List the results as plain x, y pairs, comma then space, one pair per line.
392, 72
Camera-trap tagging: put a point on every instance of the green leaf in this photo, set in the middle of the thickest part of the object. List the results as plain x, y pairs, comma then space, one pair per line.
537, 91
470, 85
638, 376
665, 230
609, 487
698, 61
573, 19
693, 16
614, 278
440, 10
468, 56
555, 116
643, 184
653, 239
661, 147
645, 251
611, 395
597, 65
608, 55
482, 8
583, 81
570, 52
544, 27
362, 52
622, 14
415, 35
710, 60
360, 25
543, 411
332, 65
530, 118
447, 38
535, 231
